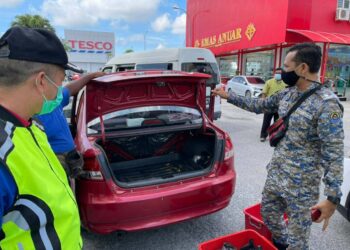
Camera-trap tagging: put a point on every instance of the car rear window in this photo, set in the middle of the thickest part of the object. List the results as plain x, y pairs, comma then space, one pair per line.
155, 66
255, 80
206, 68
144, 117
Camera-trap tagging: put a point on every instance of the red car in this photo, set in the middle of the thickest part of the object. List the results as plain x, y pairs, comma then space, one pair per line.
152, 156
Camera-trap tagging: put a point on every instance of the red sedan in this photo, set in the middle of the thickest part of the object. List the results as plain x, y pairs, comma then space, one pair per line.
152, 155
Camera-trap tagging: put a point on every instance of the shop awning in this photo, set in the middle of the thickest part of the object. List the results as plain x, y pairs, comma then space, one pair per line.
296, 36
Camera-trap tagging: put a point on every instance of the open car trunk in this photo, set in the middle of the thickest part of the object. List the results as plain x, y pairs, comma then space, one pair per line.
157, 158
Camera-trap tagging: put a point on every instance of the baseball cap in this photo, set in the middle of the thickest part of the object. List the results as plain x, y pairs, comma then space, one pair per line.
35, 45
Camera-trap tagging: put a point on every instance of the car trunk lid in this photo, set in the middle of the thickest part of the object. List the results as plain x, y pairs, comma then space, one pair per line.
127, 90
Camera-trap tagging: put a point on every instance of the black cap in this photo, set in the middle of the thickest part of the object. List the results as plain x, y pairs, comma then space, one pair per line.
35, 45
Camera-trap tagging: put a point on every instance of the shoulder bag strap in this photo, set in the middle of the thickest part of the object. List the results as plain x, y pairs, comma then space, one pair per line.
301, 99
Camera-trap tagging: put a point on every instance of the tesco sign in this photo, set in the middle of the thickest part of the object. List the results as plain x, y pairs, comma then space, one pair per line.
89, 45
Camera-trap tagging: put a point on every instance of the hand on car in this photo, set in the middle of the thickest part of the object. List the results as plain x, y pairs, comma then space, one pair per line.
220, 92
97, 74
327, 209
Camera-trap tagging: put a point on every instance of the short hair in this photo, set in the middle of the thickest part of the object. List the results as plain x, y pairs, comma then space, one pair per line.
278, 69
308, 53
14, 72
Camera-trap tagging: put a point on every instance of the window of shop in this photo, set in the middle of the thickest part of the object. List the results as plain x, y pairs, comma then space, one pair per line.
259, 64
228, 66
345, 4
338, 64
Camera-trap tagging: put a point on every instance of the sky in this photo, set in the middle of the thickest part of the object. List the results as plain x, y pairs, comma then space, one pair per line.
138, 24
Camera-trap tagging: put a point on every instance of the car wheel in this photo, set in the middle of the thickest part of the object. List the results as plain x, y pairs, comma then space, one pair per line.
248, 94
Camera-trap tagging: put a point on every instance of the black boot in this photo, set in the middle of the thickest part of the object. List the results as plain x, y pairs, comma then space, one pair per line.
279, 245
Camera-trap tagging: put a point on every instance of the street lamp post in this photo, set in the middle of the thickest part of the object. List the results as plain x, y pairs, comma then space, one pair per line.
177, 7
191, 26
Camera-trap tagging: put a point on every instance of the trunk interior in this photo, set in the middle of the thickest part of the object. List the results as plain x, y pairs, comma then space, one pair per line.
157, 158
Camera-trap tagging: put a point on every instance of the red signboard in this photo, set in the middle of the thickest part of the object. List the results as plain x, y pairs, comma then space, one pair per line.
225, 25
316, 15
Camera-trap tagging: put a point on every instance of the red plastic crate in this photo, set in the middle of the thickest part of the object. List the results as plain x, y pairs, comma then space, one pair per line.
253, 220
238, 240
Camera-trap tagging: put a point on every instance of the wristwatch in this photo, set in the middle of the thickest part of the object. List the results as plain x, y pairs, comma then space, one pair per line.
334, 200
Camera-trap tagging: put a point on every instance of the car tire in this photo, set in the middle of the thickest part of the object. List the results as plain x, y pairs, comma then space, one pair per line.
248, 94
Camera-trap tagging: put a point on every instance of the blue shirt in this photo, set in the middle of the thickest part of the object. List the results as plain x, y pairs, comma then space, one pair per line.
56, 127
8, 191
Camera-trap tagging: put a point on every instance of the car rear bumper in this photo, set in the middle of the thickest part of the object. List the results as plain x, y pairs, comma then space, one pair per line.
139, 210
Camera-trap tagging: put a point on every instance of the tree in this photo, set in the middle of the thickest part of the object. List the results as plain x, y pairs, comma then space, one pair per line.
32, 21
128, 51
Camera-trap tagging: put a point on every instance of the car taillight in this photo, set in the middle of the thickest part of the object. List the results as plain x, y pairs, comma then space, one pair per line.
92, 170
228, 148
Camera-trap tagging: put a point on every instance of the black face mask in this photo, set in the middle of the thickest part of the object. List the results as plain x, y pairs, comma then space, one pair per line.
290, 78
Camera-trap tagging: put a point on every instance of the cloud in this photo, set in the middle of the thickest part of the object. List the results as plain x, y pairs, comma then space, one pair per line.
161, 23
179, 25
160, 46
82, 13
10, 3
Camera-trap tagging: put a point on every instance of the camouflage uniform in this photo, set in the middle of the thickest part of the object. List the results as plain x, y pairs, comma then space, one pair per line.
312, 146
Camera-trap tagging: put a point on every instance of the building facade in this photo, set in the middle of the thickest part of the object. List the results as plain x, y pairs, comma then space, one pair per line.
89, 50
251, 37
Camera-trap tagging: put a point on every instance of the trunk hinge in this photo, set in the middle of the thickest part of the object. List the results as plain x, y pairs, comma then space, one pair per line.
202, 111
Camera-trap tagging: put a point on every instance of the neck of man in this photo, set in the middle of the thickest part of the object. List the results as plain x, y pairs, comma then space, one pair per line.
304, 82
15, 101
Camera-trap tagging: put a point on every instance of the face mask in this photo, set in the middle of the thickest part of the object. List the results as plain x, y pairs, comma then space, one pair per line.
290, 78
278, 77
51, 105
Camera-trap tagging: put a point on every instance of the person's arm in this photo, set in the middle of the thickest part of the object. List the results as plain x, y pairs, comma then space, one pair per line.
8, 192
255, 105
330, 131
75, 86
265, 89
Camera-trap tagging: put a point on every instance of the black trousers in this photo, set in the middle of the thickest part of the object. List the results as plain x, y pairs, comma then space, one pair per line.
267, 122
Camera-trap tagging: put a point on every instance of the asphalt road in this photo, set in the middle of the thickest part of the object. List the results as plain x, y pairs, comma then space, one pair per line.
251, 157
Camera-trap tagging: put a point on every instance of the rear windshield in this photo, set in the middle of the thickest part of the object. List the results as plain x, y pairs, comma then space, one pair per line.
206, 68
255, 80
143, 117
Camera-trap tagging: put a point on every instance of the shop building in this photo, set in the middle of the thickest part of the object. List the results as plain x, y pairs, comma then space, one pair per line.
88, 49
251, 37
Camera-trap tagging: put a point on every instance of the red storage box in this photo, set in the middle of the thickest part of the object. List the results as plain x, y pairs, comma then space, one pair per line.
238, 240
253, 220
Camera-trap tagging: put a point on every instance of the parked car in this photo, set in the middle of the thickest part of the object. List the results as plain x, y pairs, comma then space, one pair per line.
152, 156
344, 206
249, 86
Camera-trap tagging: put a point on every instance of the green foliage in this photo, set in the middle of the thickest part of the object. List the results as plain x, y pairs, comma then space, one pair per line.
32, 21
128, 51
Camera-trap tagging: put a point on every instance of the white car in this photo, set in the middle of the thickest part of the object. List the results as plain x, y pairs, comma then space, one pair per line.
344, 206
249, 86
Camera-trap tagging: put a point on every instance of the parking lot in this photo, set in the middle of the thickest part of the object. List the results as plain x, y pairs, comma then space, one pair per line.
251, 157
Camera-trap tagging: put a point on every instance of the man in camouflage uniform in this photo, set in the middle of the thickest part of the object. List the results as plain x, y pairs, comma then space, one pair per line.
311, 148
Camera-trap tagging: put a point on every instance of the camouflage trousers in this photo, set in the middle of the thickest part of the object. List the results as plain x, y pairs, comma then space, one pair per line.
276, 202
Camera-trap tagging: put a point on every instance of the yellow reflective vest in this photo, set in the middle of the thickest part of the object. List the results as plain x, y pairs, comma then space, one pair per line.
45, 213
